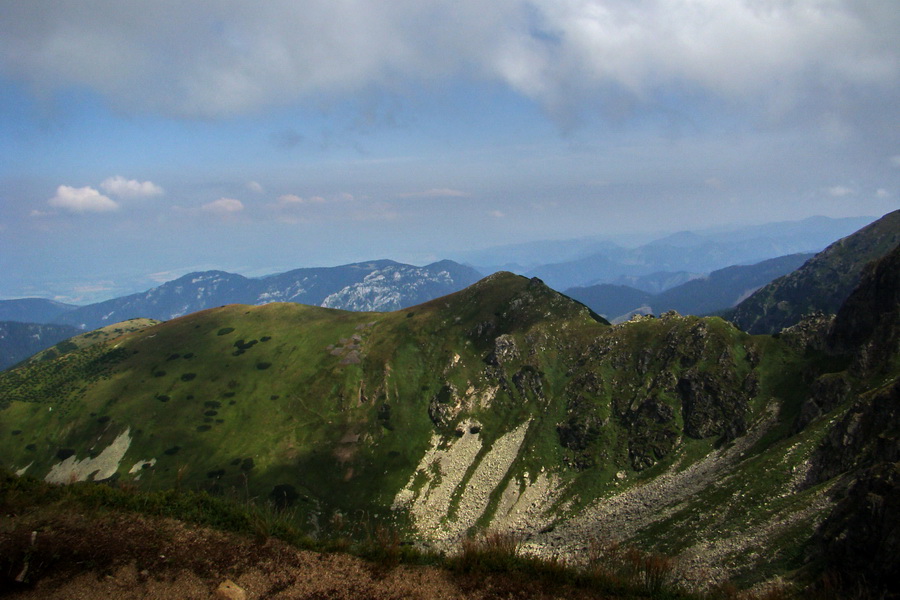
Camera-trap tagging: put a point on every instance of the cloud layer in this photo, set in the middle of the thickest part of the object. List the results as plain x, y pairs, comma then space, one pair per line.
201, 59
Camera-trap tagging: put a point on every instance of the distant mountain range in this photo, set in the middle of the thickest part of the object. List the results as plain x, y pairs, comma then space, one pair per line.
32, 310
379, 285
719, 290
583, 262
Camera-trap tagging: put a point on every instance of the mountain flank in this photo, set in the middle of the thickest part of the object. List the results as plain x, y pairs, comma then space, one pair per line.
704, 295
822, 284
18, 341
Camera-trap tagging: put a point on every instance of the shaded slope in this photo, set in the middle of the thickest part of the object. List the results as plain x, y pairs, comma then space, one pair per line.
822, 284
18, 341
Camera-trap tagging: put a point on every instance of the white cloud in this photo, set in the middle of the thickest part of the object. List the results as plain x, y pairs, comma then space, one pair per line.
290, 200
80, 200
224, 206
839, 191
255, 187
895, 160
497, 214
882, 193
130, 188
217, 59
435, 193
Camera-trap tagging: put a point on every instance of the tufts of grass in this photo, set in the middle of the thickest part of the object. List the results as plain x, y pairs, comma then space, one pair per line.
488, 552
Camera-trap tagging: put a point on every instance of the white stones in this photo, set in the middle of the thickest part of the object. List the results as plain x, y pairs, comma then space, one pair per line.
141, 464
103, 466
444, 469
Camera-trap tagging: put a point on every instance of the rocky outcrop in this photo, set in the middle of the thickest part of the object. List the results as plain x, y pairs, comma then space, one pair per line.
859, 542
868, 324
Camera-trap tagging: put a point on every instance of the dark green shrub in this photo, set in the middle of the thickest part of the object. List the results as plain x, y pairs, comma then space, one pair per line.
262, 366
188, 376
163, 398
202, 428
283, 496
225, 331
172, 451
174, 357
159, 373
242, 345
64, 453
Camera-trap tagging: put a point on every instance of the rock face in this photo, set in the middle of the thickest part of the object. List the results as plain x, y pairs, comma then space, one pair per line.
868, 324
822, 284
860, 539
659, 379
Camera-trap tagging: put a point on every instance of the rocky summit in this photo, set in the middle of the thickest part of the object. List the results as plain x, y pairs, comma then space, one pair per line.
504, 407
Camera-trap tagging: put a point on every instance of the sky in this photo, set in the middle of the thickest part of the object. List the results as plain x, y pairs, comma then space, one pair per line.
140, 141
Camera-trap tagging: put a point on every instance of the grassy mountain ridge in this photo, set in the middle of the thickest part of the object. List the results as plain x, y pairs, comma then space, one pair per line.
506, 405
822, 284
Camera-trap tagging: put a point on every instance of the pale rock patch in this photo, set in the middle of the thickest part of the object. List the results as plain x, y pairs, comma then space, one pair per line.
527, 505
444, 468
102, 467
141, 464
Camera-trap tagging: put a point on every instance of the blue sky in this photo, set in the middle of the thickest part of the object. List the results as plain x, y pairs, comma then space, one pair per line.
140, 141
